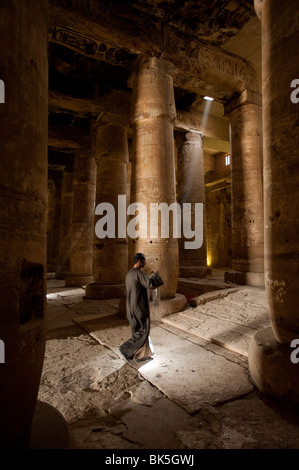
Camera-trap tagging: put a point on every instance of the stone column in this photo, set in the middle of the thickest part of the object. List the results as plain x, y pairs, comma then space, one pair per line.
50, 215
129, 176
271, 351
67, 197
23, 196
55, 238
247, 190
110, 255
153, 169
81, 247
191, 189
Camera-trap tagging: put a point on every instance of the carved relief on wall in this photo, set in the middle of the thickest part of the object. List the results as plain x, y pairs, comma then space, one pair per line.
88, 46
209, 57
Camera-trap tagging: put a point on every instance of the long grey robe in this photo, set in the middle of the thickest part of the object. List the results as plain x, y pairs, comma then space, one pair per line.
137, 283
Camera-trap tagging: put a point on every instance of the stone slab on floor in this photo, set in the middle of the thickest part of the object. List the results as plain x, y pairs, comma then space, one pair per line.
124, 426
232, 356
190, 375
247, 306
250, 423
186, 373
72, 369
233, 337
228, 321
163, 420
110, 331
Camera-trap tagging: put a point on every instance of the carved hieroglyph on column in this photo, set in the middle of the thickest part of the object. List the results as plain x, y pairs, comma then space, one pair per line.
270, 352
153, 171
23, 197
191, 189
247, 193
110, 255
81, 247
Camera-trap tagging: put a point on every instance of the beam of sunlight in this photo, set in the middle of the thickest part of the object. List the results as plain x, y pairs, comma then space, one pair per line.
206, 111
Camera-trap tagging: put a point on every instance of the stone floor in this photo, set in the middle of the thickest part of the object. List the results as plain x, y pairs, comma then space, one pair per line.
195, 393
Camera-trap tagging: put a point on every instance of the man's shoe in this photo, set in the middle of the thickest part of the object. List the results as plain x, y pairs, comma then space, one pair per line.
147, 358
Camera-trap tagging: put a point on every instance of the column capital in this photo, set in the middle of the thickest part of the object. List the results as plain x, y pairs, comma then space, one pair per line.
152, 89
246, 97
190, 136
151, 61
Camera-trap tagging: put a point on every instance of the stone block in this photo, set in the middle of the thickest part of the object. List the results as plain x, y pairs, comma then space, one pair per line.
195, 271
245, 278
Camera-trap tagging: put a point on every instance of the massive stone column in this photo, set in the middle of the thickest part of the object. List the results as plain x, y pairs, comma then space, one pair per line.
67, 197
273, 359
218, 220
50, 215
153, 169
23, 195
81, 246
110, 254
247, 190
191, 190
56, 226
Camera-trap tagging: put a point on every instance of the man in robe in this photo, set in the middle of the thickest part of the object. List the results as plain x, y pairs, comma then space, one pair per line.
138, 313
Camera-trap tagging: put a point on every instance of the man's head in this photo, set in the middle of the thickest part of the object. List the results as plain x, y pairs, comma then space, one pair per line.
139, 260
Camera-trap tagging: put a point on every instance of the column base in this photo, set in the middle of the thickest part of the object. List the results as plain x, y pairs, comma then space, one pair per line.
168, 307
61, 274
99, 291
195, 271
271, 368
245, 278
74, 280
165, 308
49, 429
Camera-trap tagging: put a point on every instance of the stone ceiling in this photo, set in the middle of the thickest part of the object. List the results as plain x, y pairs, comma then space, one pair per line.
93, 45
209, 20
